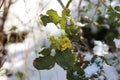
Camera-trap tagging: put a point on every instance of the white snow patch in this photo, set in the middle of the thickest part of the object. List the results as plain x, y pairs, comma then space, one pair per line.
75, 73
117, 42
81, 24
52, 30
110, 72
88, 57
3, 78
93, 68
53, 52
100, 49
90, 70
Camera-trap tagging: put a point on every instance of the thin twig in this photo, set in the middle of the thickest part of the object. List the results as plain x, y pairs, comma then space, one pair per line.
84, 41
3, 19
79, 17
68, 4
5, 13
2, 3
104, 4
26, 62
86, 44
95, 11
35, 49
61, 3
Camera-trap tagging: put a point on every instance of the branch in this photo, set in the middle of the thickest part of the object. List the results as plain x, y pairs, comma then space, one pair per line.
68, 4
79, 17
82, 39
86, 44
2, 34
5, 13
103, 2
60, 2
2, 3
95, 11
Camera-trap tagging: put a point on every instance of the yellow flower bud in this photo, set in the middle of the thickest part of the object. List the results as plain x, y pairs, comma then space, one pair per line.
65, 43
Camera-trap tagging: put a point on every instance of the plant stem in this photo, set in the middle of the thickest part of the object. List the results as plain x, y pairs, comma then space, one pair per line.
68, 4
2, 3
84, 42
95, 11
61, 3
79, 17
5, 13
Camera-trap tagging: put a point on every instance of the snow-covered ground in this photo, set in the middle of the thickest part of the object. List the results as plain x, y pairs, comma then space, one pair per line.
24, 14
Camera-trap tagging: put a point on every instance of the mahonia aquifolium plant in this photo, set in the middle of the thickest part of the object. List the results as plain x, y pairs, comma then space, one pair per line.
67, 50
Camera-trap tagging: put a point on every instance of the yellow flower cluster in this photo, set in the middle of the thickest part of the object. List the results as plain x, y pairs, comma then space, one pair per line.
65, 43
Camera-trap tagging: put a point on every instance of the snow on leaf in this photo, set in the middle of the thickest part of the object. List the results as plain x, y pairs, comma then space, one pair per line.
100, 49
88, 57
116, 6
110, 72
90, 70
53, 52
117, 43
81, 24
52, 30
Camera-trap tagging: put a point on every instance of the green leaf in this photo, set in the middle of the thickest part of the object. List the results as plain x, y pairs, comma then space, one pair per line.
54, 16
65, 59
80, 71
13, 28
93, 58
20, 75
89, 7
114, 16
45, 19
71, 76
76, 74
1, 69
117, 8
63, 20
63, 23
86, 63
42, 63
65, 12
110, 37
45, 52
